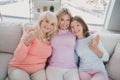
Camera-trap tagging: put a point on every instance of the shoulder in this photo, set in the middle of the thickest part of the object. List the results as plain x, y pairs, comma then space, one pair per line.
93, 35
71, 34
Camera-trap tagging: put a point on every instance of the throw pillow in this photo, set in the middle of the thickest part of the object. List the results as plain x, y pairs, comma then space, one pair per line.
113, 66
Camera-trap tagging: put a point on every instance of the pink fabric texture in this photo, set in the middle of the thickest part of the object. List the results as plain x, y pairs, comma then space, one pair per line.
90, 75
31, 58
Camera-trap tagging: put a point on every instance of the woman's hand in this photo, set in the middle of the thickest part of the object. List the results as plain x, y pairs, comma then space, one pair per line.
94, 43
30, 35
94, 46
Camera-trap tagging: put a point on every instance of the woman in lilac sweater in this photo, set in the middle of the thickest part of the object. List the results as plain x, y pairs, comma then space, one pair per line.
62, 64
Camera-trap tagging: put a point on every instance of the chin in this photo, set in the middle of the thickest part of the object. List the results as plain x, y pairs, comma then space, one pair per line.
76, 34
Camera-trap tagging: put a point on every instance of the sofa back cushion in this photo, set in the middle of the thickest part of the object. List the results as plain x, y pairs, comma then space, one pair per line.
10, 33
109, 41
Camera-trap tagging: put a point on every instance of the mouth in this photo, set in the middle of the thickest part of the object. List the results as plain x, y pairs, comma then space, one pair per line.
76, 32
65, 27
47, 28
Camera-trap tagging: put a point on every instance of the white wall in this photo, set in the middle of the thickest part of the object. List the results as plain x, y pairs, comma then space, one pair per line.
113, 16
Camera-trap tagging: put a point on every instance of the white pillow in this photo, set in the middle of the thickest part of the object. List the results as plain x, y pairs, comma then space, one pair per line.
113, 66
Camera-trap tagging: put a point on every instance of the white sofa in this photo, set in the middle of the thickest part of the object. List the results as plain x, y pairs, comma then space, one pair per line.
10, 33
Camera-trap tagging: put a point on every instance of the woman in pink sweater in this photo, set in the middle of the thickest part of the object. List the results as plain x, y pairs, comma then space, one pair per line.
30, 56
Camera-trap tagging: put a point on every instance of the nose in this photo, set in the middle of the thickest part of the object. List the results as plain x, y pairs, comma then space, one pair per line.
74, 28
65, 22
48, 25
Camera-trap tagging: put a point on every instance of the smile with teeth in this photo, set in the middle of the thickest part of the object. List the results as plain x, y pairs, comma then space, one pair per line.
77, 31
64, 26
47, 28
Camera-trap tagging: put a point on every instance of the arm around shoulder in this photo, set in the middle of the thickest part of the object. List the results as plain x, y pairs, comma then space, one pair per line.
105, 56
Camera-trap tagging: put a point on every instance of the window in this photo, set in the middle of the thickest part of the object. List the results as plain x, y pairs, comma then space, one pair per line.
92, 11
15, 8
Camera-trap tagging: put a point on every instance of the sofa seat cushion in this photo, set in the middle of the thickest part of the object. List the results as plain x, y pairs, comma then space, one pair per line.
113, 66
4, 60
10, 33
7, 78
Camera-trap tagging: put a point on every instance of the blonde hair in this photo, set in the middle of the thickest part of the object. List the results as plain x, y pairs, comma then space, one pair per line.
42, 16
61, 12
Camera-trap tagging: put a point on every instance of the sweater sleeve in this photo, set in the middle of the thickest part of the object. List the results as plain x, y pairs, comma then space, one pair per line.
21, 51
105, 56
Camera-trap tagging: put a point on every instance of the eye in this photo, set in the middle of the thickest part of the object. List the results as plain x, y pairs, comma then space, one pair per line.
77, 25
68, 19
61, 19
46, 21
72, 27
53, 24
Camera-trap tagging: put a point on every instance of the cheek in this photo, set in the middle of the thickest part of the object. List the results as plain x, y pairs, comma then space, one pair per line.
72, 30
68, 22
81, 30
60, 26
42, 24
60, 23
51, 28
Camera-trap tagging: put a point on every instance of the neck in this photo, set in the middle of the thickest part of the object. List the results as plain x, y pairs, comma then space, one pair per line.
80, 36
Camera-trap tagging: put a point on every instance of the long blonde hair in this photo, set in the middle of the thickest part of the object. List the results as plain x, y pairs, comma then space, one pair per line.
42, 16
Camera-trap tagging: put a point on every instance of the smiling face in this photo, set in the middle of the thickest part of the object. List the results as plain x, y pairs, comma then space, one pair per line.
64, 21
47, 25
77, 29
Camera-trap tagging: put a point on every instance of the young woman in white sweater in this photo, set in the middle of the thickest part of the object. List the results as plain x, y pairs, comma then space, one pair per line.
91, 66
